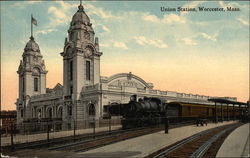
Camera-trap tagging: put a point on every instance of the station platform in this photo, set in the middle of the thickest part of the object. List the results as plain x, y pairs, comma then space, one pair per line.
144, 145
236, 144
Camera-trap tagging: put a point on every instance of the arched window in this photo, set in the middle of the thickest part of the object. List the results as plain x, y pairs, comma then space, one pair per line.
32, 112
35, 84
87, 70
69, 110
39, 114
60, 112
71, 70
22, 113
49, 113
92, 109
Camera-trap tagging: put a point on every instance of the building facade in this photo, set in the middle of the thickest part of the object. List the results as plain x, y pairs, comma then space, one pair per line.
84, 92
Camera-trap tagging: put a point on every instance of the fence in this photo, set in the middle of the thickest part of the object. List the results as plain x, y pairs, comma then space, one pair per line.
45, 131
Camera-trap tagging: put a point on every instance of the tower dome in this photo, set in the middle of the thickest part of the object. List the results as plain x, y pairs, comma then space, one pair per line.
80, 29
80, 16
32, 45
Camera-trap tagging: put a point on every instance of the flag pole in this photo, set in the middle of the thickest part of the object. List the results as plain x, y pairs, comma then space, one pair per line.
31, 26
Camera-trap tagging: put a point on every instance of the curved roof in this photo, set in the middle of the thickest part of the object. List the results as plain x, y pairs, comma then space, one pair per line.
80, 16
129, 75
32, 45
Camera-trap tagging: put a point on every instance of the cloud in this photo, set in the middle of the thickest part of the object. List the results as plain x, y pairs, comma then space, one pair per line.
223, 5
189, 41
22, 4
60, 15
206, 36
243, 21
45, 31
104, 28
167, 19
171, 18
66, 6
151, 18
233, 4
141, 40
103, 45
100, 12
120, 45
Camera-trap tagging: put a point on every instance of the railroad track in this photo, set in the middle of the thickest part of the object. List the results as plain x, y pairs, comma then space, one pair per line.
97, 142
115, 137
196, 145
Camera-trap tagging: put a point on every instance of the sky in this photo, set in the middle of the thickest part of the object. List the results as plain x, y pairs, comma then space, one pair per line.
204, 53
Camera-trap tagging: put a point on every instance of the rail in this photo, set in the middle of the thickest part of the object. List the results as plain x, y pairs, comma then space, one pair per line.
199, 152
202, 150
178, 145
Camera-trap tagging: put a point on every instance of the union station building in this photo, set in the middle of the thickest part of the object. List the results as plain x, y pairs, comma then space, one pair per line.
84, 92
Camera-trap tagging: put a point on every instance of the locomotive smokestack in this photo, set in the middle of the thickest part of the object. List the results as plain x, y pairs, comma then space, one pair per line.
133, 98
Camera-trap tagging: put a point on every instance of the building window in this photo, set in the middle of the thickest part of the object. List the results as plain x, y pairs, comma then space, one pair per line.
39, 115
87, 70
22, 113
49, 113
35, 84
71, 90
70, 111
92, 109
23, 84
71, 70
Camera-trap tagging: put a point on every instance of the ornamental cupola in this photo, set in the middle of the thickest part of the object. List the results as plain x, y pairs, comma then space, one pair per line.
32, 57
32, 45
80, 27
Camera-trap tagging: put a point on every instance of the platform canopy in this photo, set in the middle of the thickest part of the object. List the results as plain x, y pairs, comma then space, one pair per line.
226, 101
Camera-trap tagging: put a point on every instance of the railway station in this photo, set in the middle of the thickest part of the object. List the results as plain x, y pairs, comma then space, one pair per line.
122, 115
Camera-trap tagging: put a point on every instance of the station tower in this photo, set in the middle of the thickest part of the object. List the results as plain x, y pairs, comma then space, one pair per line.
32, 78
81, 62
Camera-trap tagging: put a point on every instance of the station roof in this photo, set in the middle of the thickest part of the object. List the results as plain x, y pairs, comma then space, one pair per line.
226, 101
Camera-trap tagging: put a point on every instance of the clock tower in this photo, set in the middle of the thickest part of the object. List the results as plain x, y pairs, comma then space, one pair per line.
81, 65
81, 56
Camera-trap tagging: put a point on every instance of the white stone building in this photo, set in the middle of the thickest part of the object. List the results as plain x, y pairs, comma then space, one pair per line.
84, 92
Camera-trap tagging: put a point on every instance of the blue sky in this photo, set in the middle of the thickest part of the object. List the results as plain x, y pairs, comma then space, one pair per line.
171, 49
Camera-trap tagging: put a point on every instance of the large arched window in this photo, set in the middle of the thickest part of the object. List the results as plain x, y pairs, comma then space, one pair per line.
92, 109
59, 112
49, 113
39, 113
35, 84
